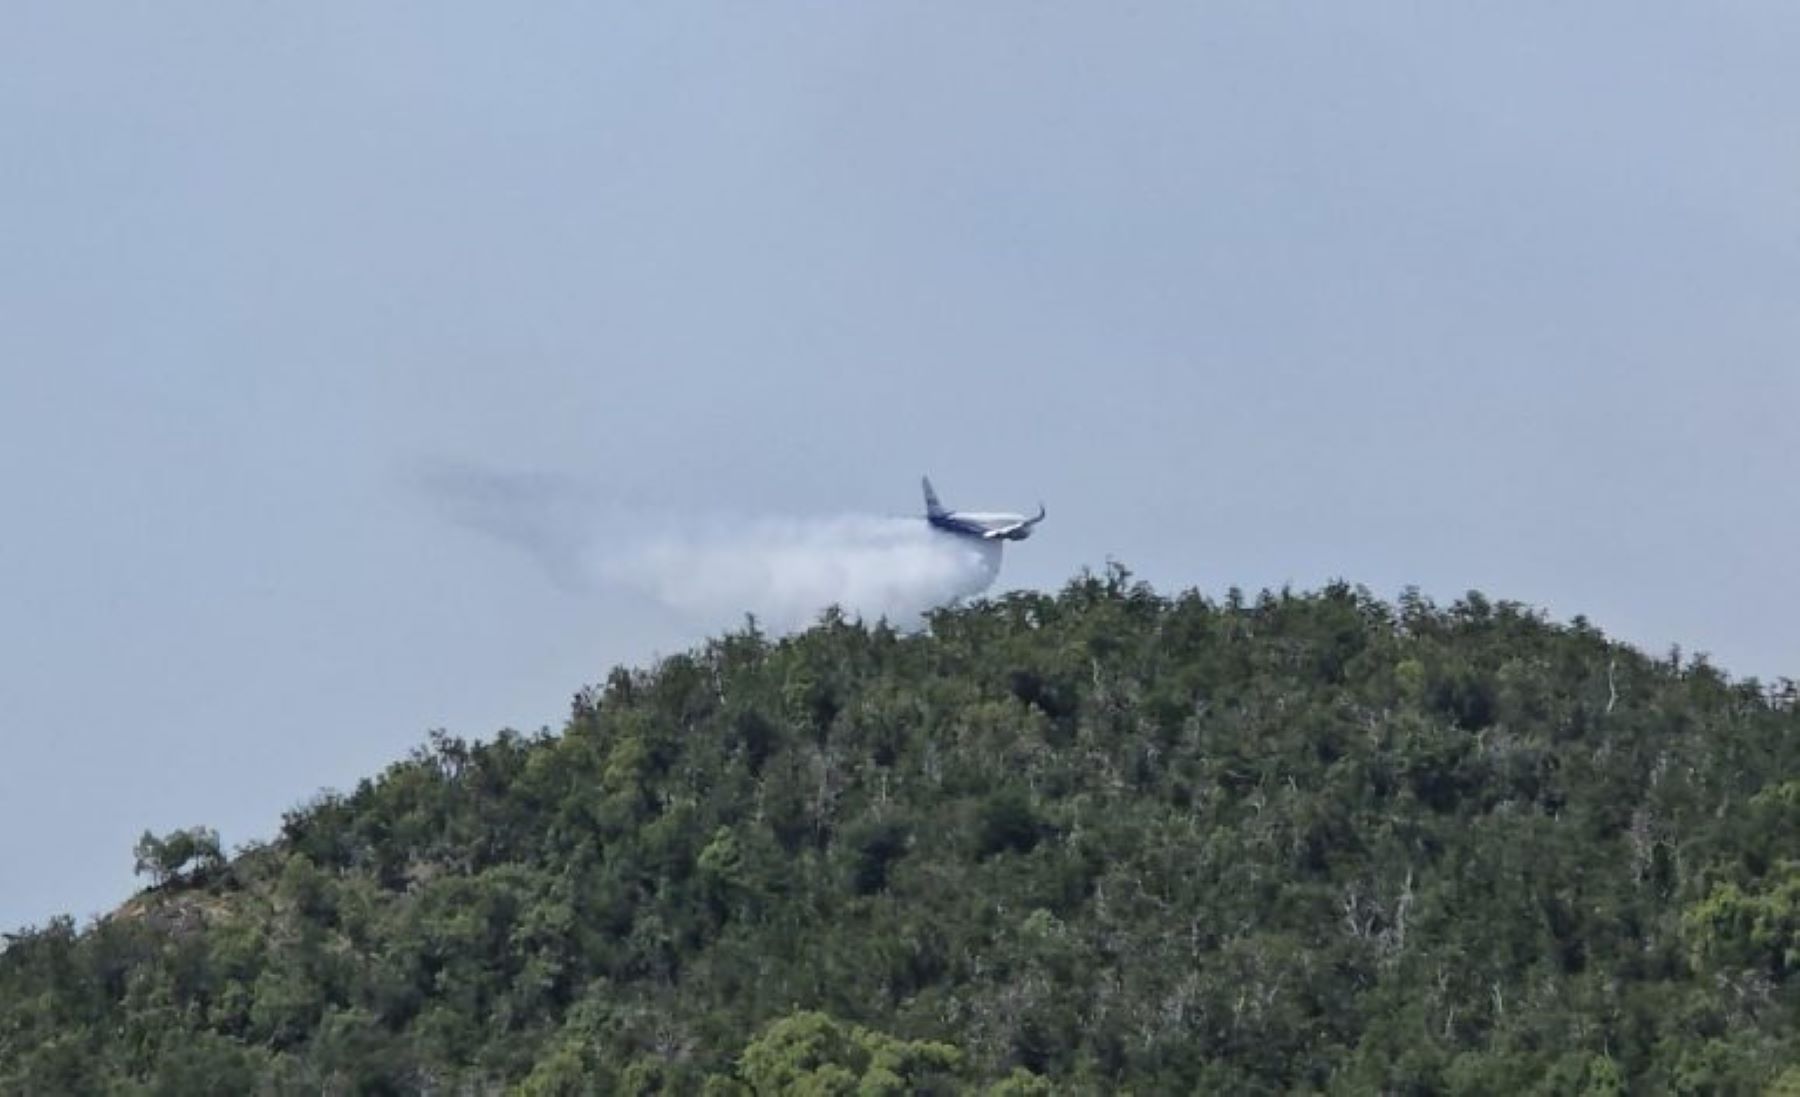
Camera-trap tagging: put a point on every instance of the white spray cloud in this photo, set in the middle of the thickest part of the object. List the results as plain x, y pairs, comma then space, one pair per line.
785, 571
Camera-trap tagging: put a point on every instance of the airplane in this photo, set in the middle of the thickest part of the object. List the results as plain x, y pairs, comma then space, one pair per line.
988, 527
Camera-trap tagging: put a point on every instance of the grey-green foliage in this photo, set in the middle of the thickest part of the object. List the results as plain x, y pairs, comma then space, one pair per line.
194, 850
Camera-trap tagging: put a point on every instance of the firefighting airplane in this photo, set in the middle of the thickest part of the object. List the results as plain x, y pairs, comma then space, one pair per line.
988, 527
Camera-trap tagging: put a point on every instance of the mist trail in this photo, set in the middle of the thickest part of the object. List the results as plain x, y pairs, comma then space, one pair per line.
785, 571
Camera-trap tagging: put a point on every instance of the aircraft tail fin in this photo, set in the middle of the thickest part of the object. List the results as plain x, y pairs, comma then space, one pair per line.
932, 506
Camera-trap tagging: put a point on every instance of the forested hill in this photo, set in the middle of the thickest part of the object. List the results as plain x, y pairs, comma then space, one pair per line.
1099, 841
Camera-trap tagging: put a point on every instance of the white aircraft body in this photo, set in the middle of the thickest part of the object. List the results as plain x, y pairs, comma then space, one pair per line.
988, 527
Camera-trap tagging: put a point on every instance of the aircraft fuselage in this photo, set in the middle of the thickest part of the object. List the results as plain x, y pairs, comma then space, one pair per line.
990, 527
968, 523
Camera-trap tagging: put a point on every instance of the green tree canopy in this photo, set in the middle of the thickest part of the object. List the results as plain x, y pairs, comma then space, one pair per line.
1104, 840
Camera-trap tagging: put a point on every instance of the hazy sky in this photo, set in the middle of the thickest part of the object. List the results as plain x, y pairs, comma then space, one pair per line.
1248, 293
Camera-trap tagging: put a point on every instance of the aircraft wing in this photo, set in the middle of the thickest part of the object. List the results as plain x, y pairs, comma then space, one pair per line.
1003, 531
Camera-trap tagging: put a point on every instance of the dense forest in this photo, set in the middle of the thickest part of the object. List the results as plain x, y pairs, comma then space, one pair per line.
1105, 840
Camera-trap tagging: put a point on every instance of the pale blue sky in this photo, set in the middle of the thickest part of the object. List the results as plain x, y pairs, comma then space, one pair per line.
1249, 293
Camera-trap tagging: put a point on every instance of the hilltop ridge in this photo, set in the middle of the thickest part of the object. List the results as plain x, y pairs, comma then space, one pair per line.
1099, 840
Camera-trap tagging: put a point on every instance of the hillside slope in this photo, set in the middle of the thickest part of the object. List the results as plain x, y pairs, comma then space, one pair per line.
1099, 840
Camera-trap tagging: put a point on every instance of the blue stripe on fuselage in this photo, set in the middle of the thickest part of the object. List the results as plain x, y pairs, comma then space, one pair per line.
955, 525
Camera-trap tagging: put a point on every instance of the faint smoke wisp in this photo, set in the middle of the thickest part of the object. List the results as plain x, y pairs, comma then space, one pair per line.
784, 571
548, 517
